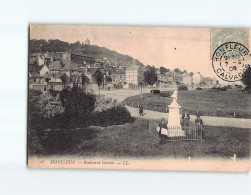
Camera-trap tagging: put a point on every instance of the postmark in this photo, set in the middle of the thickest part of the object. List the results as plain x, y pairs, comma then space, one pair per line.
230, 60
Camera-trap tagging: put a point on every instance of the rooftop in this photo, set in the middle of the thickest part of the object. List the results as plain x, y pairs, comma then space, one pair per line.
120, 72
92, 71
64, 65
130, 68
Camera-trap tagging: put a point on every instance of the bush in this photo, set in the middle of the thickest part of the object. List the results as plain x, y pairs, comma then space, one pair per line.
217, 89
182, 88
247, 90
57, 141
77, 103
113, 116
155, 91
222, 88
199, 88
165, 94
213, 90
103, 103
34, 145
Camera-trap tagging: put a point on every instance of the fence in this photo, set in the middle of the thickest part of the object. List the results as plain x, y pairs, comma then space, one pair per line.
188, 133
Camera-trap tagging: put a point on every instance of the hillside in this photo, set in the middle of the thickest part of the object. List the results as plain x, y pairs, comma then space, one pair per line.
95, 51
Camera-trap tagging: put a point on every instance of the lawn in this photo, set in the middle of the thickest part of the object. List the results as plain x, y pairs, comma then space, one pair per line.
230, 103
134, 140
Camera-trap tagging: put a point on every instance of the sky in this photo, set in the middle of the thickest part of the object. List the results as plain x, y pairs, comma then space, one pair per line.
184, 48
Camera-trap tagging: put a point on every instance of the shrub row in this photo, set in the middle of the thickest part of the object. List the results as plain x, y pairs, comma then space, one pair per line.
59, 134
182, 88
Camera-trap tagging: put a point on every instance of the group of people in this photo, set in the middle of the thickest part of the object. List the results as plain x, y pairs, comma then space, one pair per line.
186, 118
185, 125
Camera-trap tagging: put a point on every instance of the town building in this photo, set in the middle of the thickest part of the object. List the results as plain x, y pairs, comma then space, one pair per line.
91, 75
187, 79
37, 82
82, 59
87, 42
44, 69
197, 77
132, 73
55, 86
119, 76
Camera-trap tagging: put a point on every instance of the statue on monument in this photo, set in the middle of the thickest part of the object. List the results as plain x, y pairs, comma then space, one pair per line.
173, 128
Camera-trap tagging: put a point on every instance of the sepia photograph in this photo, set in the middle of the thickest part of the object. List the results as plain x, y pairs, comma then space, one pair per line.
137, 97
108, 97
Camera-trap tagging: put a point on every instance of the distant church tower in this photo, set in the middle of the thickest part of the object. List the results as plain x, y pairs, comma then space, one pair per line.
87, 42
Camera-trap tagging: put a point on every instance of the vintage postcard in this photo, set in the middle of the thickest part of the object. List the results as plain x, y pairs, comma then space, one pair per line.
139, 98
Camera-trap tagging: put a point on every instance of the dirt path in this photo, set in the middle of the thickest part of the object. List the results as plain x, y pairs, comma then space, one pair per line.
120, 95
207, 120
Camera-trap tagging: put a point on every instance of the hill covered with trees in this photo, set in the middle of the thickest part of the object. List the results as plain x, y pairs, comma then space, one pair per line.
36, 46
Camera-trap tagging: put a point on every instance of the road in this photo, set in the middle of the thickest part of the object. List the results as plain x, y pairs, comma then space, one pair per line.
207, 120
120, 95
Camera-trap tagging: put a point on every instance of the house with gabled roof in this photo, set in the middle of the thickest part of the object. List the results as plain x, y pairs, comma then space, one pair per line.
64, 66
119, 76
70, 67
54, 81
91, 74
56, 67
37, 82
44, 69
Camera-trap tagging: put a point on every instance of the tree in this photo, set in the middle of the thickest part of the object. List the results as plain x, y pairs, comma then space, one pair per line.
84, 80
148, 67
77, 103
141, 84
164, 70
65, 79
42, 106
177, 70
33, 108
182, 88
150, 76
99, 78
246, 79
50, 106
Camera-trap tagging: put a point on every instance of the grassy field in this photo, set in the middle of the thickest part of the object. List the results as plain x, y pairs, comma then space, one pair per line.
134, 140
231, 103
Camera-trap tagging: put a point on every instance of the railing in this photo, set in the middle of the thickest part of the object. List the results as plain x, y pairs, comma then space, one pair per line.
185, 133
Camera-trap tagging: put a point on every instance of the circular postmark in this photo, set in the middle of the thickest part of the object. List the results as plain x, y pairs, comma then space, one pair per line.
230, 60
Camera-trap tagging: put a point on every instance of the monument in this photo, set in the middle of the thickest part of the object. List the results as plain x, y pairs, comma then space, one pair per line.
174, 128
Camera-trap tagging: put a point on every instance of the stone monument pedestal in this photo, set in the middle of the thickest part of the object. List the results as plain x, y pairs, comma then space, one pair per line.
174, 128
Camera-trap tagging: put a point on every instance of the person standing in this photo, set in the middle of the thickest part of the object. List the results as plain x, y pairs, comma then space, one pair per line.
198, 125
185, 119
161, 135
141, 110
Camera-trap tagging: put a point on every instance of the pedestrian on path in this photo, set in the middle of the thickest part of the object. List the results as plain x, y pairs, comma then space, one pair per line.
185, 118
185, 121
141, 110
163, 125
199, 125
